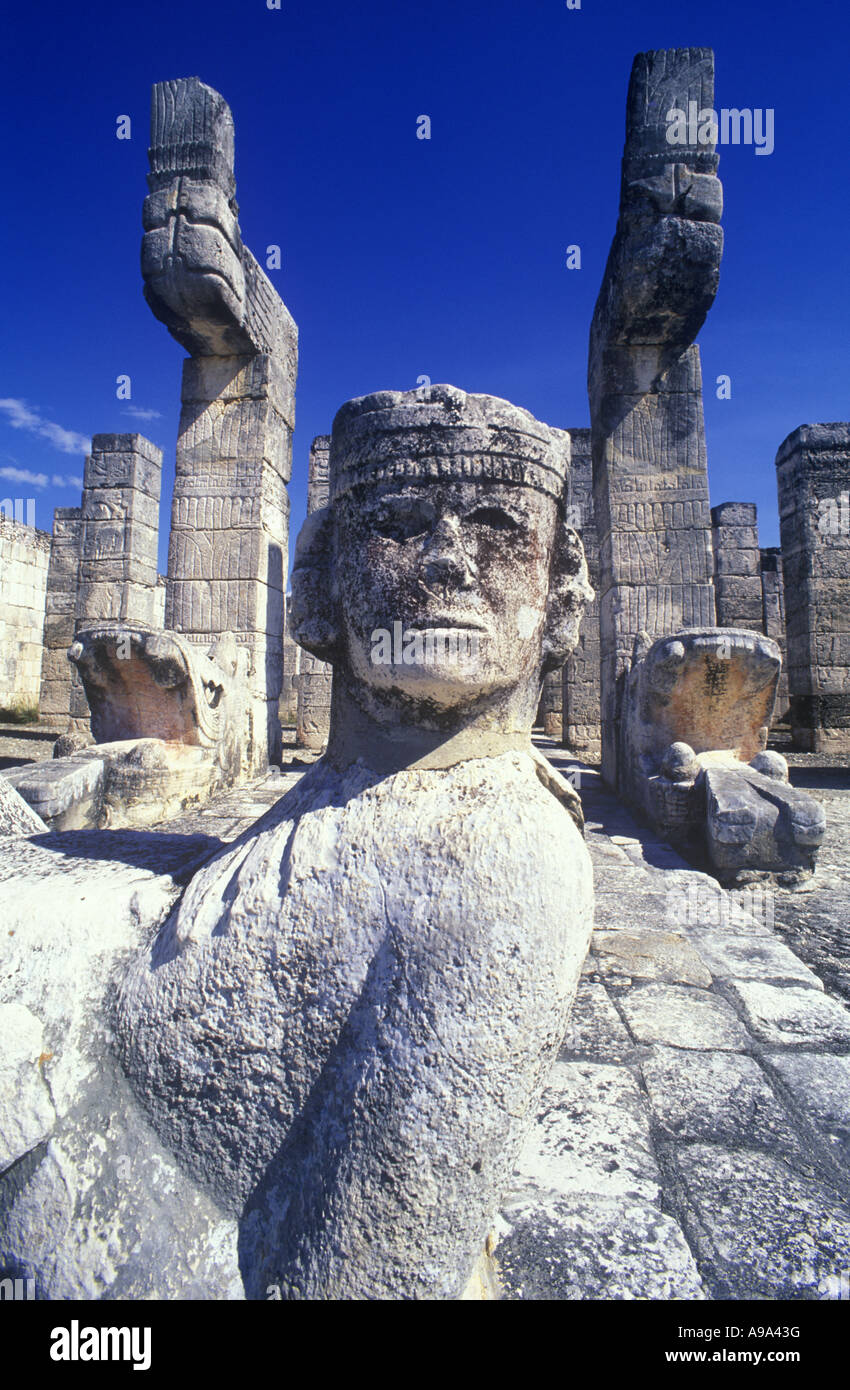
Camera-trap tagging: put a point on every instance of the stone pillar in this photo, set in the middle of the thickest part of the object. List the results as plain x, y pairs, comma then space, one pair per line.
737, 566
62, 696
119, 532
230, 513
773, 610
159, 601
581, 694
550, 710
24, 554
317, 473
813, 475
230, 525
291, 660
644, 381
315, 677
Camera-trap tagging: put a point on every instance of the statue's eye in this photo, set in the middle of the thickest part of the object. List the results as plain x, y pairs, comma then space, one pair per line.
403, 521
496, 518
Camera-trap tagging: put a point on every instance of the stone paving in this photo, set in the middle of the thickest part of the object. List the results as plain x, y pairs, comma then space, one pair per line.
694, 1138
26, 743
814, 920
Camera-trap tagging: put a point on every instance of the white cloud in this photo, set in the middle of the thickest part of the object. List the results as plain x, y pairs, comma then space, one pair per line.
23, 475
139, 414
22, 417
40, 480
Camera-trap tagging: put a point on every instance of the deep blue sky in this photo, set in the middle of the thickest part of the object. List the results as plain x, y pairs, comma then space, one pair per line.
401, 256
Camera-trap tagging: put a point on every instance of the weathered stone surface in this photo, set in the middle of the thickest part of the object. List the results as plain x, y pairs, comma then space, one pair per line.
146, 684
648, 955
820, 1086
26, 1110
318, 476
590, 1134
768, 1232
314, 679
551, 708
596, 1032
77, 1214
66, 794
719, 1097
813, 476
169, 726
773, 610
753, 958
291, 664
682, 1017
24, 554
581, 1248
119, 531
644, 381
791, 1014
756, 822
16, 815
695, 712
103, 562
580, 683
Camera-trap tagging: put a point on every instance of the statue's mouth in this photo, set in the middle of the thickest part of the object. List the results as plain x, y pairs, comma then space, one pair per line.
441, 622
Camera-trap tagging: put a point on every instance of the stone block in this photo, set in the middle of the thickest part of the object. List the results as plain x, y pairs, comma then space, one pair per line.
736, 514
820, 1085
766, 1231
679, 1016
648, 955
590, 1134
586, 1248
754, 958
595, 1032
791, 1015
717, 1097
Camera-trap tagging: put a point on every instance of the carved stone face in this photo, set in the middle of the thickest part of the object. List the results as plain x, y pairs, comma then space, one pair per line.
444, 588
440, 581
192, 264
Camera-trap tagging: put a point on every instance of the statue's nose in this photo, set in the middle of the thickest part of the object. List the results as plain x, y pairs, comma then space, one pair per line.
445, 560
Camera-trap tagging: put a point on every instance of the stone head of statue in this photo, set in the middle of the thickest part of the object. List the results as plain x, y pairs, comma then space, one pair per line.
441, 581
193, 261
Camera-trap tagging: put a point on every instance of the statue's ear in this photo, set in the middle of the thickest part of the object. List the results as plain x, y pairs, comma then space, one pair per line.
569, 594
314, 620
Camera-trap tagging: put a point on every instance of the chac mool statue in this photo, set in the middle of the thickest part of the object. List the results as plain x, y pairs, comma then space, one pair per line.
338, 1035
343, 1026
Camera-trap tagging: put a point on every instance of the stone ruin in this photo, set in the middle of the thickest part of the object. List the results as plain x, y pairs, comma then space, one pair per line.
185, 701
679, 695
23, 579
813, 473
695, 712
375, 977
659, 557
